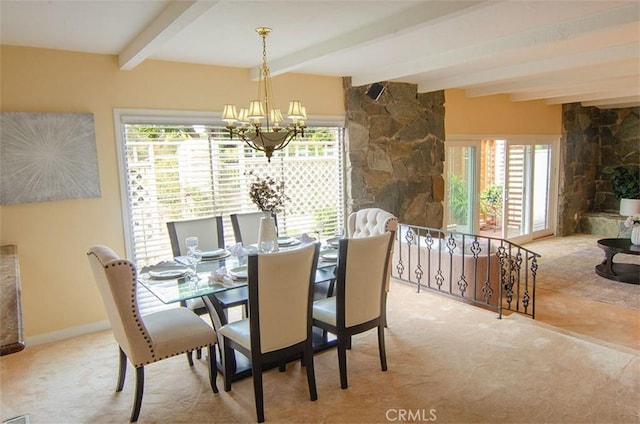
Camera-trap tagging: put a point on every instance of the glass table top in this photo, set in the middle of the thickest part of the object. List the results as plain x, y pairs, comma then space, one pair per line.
170, 282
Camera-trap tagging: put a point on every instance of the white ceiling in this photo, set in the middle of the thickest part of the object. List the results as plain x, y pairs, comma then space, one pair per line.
559, 50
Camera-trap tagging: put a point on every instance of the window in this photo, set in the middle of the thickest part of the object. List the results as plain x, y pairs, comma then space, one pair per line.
179, 168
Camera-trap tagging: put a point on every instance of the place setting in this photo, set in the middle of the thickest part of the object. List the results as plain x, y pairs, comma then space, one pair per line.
212, 255
329, 255
167, 271
231, 278
288, 241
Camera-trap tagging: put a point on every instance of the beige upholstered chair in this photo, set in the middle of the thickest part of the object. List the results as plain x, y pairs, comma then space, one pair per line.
149, 338
359, 302
371, 222
279, 325
246, 226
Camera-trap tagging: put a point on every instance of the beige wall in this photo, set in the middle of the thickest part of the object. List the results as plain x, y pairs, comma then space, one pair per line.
497, 115
58, 291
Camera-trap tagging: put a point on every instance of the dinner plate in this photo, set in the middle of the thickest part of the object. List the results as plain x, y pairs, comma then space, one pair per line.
333, 242
329, 255
215, 254
168, 273
287, 241
239, 273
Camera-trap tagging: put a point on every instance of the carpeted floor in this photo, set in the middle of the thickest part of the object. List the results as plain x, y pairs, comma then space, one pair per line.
448, 362
574, 274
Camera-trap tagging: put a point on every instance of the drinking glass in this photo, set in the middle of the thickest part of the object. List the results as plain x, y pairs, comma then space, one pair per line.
194, 256
191, 243
267, 246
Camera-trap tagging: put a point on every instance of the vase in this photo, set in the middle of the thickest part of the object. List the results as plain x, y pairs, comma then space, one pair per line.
267, 235
635, 235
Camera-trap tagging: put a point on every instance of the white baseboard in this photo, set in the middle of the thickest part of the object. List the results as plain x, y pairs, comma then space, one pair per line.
67, 333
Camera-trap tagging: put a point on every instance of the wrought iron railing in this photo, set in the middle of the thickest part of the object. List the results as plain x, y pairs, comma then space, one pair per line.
489, 272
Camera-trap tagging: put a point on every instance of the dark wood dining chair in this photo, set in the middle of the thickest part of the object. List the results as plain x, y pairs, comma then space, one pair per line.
358, 305
210, 233
145, 339
209, 230
278, 329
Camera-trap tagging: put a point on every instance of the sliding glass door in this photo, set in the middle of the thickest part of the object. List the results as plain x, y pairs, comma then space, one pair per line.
529, 201
461, 184
501, 187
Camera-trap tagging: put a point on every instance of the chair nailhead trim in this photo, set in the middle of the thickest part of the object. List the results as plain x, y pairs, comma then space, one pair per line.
178, 353
138, 320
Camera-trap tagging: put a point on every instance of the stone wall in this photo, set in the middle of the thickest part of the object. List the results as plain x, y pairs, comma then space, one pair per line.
395, 152
592, 140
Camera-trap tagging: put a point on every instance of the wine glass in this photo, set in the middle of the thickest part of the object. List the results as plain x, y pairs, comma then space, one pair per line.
194, 256
318, 230
191, 243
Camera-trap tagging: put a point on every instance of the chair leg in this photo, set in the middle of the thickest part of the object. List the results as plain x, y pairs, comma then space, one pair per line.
228, 367
213, 368
198, 353
342, 360
190, 358
256, 371
384, 309
311, 376
138, 395
122, 370
381, 347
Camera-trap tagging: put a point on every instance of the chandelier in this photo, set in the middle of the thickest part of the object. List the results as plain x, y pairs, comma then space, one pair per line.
261, 126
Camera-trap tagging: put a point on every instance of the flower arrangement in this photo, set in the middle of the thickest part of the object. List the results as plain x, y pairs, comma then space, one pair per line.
632, 221
267, 194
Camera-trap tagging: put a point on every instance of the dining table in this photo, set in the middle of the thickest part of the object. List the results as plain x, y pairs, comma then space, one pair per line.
174, 281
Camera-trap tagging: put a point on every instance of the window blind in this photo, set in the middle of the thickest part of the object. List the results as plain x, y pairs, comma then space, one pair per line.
182, 171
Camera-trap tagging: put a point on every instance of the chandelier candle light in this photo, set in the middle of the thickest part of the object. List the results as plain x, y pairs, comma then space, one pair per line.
259, 126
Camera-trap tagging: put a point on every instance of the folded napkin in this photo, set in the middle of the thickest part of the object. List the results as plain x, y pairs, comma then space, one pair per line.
305, 238
221, 276
238, 250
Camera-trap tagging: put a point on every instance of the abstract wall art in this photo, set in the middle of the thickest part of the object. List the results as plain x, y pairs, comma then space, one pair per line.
47, 156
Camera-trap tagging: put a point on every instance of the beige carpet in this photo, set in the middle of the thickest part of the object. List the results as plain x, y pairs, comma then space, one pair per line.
455, 361
574, 274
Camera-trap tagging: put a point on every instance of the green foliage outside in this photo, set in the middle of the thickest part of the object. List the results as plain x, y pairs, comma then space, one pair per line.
458, 199
165, 158
326, 227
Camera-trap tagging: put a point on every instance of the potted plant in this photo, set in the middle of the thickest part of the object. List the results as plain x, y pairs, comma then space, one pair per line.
268, 195
626, 187
625, 183
491, 202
